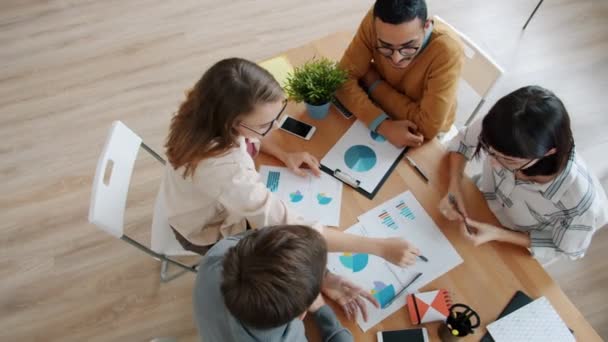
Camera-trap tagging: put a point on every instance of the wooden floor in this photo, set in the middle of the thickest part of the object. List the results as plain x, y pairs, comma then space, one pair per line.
68, 68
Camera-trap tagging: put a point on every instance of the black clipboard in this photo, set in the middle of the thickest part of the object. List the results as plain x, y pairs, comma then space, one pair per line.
351, 181
344, 176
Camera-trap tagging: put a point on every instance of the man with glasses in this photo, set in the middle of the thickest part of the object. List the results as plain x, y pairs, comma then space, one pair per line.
403, 73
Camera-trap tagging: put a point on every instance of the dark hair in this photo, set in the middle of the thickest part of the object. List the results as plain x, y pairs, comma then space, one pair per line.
400, 11
204, 124
527, 123
273, 275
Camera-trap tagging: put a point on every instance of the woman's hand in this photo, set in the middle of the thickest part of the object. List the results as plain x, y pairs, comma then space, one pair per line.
483, 233
399, 252
295, 160
451, 211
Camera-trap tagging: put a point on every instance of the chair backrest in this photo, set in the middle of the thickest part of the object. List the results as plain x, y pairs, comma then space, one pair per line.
112, 179
480, 71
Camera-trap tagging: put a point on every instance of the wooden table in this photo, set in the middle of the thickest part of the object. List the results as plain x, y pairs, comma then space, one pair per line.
489, 275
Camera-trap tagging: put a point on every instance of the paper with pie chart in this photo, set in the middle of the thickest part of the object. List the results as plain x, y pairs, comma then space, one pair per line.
313, 198
363, 155
400, 217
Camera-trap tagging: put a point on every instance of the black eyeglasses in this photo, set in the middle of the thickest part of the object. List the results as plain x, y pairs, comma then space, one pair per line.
484, 146
406, 52
269, 124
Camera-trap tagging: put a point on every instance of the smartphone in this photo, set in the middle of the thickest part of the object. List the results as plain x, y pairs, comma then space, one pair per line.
297, 127
414, 335
342, 108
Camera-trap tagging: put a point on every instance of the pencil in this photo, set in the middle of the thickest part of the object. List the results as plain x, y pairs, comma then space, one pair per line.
403, 289
417, 168
453, 202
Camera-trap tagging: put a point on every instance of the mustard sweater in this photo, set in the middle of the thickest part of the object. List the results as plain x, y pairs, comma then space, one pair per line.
424, 92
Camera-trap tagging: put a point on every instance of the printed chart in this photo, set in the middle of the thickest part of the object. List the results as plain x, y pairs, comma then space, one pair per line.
313, 198
401, 217
363, 155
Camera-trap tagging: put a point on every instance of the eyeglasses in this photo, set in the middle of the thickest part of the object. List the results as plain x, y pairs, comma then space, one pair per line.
268, 125
484, 146
406, 52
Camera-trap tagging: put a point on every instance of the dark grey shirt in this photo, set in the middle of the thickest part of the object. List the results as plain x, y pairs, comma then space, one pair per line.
215, 323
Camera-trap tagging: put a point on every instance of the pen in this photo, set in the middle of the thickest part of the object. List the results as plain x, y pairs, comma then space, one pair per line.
423, 258
453, 202
417, 168
403, 289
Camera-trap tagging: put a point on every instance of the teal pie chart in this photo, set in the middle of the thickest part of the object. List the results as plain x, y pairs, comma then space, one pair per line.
360, 158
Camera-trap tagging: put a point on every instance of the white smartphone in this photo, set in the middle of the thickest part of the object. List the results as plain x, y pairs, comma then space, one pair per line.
417, 334
297, 127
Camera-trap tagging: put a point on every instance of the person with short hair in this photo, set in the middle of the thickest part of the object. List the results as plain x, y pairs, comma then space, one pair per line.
542, 193
403, 73
259, 286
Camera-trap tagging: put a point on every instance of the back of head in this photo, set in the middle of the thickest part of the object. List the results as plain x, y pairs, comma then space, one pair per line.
400, 11
273, 275
204, 124
528, 123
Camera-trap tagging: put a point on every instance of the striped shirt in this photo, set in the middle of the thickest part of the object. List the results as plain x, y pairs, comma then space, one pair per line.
561, 215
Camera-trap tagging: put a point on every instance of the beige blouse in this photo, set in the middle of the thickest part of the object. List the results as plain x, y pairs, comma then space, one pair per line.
223, 194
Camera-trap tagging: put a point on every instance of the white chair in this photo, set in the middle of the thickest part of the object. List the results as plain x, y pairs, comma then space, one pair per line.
479, 71
109, 197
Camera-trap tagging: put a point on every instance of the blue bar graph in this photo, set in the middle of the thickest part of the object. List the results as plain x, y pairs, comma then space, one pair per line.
387, 220
272, 183
405, 211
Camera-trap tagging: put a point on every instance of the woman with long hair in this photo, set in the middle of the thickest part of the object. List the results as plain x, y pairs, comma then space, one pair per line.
211, 187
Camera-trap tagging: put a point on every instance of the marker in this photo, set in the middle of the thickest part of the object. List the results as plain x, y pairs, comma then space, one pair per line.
403, 289
423, 258
417, 168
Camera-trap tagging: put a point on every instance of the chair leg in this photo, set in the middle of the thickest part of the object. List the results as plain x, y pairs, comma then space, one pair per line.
164, 272
533, 13
164, 276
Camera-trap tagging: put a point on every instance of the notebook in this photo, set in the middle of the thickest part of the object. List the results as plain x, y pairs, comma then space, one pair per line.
537, 321
519, 299
429, 306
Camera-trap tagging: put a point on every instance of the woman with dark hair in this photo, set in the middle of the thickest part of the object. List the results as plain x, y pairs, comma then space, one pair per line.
542, 193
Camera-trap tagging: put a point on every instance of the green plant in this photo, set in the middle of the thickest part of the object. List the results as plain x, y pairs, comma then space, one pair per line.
315, 82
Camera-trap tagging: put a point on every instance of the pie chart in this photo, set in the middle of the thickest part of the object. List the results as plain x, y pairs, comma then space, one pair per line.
355, 262
383, 293
360, 158
296, 197
323, 199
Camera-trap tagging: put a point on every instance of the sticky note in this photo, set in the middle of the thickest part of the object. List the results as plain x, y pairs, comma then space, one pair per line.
279, 67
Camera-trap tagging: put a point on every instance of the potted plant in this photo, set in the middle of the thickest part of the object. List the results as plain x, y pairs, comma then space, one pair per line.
315, 83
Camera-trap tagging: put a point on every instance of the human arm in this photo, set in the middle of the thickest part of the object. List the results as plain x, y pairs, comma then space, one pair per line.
293, 160
357, 61
243, 195
330, 327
